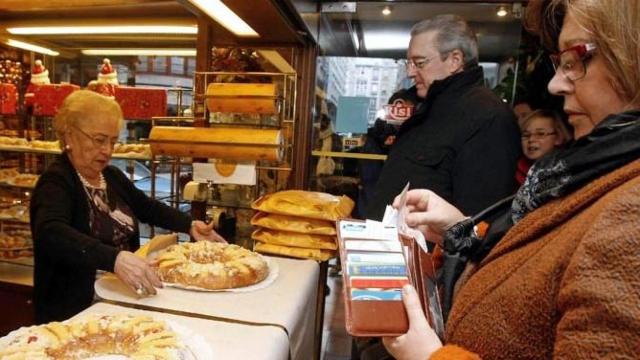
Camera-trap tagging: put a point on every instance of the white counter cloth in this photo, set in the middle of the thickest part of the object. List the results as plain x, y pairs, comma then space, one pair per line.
289, 302
227, 340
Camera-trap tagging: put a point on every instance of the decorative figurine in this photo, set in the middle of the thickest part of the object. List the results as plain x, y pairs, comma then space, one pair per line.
39, 75
107, 79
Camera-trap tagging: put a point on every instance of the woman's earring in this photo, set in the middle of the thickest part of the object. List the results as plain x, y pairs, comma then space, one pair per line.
67, 147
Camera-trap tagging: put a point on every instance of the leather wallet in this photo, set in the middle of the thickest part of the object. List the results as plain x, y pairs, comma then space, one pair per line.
386, 317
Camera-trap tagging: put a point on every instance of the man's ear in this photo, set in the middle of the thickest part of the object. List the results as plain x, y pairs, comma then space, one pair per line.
456, 61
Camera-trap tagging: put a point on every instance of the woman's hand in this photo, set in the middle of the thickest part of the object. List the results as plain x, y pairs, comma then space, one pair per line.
420, 341
202, 231
137, 273
429, 213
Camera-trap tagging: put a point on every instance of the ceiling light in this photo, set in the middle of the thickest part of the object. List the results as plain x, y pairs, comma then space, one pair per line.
31, 47
386, 40
142, 52
386, 11
225, 17
110, 29
502, 11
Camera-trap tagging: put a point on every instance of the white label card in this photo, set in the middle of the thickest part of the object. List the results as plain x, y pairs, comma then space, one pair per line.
203, 172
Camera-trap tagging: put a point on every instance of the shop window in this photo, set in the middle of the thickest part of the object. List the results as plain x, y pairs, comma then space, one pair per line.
143, 64
159, 64
191, 66
177, 65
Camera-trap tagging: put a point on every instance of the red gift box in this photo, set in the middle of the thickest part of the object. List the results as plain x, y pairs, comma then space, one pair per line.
141, 103
8, 99
47, 98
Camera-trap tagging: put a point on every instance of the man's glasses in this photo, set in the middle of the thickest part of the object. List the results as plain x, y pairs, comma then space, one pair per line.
99, 141
536, 135
573, 61
419, 63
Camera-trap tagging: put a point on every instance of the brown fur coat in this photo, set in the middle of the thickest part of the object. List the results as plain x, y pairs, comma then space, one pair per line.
564, 283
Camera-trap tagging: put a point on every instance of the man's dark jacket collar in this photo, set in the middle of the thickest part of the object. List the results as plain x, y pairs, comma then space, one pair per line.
473, 76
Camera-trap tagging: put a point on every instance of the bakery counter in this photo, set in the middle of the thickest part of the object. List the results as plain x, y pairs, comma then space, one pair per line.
16, 290
225, 339
17, 272
288, 304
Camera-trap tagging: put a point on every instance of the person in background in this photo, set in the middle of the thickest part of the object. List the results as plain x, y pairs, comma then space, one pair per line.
379, 140
563, 282
522, 108
326, 142
542, 131
85, 213
462, 142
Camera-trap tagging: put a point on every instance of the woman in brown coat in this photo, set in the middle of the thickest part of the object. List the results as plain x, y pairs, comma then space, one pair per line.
564, 281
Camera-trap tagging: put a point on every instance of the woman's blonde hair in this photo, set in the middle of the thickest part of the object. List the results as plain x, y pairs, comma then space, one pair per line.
559, 126
614, 25
84, 106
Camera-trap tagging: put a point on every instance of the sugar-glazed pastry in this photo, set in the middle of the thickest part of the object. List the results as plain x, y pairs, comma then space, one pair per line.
137, 337
212, 266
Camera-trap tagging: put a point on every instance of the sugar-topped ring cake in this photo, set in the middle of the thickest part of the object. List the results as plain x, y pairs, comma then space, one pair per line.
211, 265
137, 337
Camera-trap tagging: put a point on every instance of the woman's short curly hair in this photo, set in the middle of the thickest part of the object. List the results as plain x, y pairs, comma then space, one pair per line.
84, 106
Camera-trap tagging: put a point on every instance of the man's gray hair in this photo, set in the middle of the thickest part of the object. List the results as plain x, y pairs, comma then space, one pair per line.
452, 32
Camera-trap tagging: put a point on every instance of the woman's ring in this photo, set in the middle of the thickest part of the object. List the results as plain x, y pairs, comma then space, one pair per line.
140, 290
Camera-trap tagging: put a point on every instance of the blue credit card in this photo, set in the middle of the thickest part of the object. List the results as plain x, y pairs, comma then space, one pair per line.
376, 295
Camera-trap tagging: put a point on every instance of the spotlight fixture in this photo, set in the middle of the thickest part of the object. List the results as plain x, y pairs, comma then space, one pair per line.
502, 11
386, 11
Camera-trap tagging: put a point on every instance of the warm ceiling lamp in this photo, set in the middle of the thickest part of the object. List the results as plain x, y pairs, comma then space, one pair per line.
502, 11
219, 12
142, 52
106, 29
386, 11
31, 47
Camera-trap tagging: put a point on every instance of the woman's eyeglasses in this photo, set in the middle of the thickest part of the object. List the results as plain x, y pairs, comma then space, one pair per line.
99, 140
536, 135
573, 61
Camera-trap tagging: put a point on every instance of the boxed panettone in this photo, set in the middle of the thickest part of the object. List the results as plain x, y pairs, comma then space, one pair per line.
309, 204
47, 98
141, 103
8, 99
294, 224
285, 238
296, 252
254, 98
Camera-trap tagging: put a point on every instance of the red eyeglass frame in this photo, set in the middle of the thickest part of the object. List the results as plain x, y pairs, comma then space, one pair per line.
584, 51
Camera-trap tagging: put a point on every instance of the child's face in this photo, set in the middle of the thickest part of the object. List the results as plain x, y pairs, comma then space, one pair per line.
539, 138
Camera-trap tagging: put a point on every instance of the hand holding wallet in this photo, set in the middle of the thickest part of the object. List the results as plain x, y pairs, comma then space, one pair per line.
377, 260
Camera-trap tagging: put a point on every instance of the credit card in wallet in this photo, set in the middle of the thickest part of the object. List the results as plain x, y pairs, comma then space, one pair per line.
369, 245
376, 295
377, 258
382, 282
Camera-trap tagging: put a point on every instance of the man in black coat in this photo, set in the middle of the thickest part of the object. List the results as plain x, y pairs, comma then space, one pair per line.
463, 142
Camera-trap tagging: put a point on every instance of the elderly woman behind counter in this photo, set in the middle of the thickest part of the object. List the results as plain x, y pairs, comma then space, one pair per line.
85, 213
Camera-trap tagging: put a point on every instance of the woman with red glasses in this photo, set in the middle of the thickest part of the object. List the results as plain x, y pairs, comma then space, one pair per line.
558, 274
